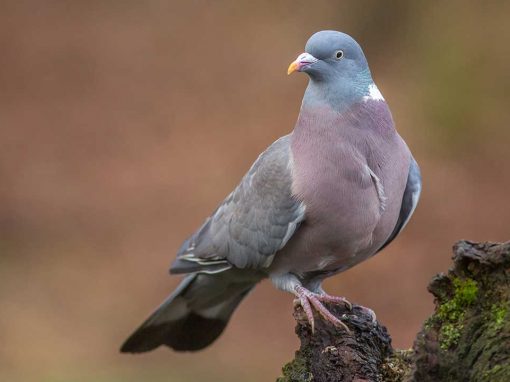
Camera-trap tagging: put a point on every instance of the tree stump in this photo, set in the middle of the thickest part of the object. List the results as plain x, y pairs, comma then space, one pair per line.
466, 339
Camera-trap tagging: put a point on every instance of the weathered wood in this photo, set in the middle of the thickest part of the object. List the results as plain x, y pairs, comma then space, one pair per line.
468, 336
466, 339
332, 354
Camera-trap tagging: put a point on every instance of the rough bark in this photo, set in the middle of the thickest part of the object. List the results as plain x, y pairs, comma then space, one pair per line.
466, 339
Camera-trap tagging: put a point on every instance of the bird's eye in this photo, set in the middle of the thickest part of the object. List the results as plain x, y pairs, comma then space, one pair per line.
339, 54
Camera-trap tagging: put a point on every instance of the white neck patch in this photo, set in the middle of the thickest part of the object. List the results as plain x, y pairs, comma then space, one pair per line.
373, 94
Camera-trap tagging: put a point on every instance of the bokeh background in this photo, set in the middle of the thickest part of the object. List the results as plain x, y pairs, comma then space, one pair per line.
124, 123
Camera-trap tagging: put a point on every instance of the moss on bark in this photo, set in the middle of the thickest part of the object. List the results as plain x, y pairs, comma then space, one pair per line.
466, 339
468, 336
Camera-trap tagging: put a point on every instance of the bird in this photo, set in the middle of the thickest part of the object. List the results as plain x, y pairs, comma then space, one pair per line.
330, 194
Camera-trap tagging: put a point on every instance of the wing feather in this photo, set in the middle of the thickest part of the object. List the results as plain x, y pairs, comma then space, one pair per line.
255, 221
409, 201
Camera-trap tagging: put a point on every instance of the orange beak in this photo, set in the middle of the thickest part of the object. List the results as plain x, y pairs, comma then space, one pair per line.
303, 60
293, 67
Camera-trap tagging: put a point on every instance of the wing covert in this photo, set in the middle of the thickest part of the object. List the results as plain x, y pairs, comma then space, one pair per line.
409, 201
252, 223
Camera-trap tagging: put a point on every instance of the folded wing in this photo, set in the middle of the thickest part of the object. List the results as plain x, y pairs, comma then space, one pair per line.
409, 201
255, 221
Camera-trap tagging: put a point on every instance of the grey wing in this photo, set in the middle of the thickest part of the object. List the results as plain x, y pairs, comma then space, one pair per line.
409, 201
252, 223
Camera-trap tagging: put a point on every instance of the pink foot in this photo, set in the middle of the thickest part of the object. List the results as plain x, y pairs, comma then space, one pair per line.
308, 299
334, 300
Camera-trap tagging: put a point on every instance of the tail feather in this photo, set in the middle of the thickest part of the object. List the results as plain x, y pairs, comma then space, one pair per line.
191, 318
189, 334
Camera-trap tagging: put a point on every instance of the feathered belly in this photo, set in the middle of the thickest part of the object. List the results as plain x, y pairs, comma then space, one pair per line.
338, 232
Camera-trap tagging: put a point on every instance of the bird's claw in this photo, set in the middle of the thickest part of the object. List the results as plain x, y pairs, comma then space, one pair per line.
370, 313
335, 300
307, 299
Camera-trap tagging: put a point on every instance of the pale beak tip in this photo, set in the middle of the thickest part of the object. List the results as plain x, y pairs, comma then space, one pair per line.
292, 67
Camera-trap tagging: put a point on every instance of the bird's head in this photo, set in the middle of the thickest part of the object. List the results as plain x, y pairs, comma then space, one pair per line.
335, 62
330, 54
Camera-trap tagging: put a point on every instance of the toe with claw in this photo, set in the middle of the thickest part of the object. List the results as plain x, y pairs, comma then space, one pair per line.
370, 313
308, 299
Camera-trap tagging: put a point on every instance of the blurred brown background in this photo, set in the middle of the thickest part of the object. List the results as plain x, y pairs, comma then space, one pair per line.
124, 123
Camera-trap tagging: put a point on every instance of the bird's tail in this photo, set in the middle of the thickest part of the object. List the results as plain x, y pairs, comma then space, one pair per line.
193, 316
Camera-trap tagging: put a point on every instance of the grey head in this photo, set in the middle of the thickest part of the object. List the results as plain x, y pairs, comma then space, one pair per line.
337, 68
